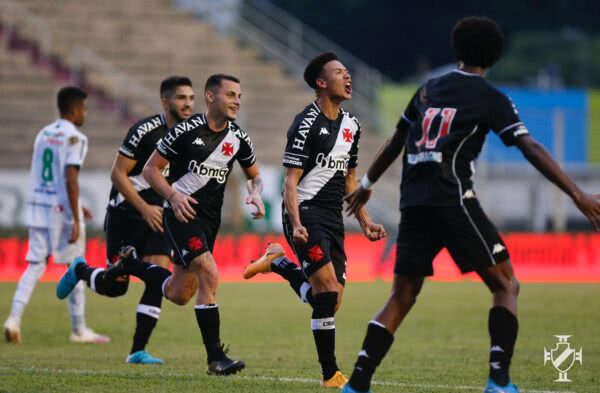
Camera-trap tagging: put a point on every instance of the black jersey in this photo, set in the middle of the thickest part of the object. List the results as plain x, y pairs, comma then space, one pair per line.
139, 143
325, 150
449, 118
201, 161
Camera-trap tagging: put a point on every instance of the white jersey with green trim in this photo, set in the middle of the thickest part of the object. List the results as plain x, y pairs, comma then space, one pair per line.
56, 146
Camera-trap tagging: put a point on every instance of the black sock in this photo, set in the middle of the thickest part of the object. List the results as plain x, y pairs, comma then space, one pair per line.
84, 272
294, 275
376, 344
148, 312
503, 327
95, 280
207, 316
152, 275
323, 327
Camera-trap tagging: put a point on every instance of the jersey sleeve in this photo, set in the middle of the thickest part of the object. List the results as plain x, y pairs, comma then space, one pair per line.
171, 144
353, 163
297, 148
504, 119
76, 150
246, 155
130, 145
411, 112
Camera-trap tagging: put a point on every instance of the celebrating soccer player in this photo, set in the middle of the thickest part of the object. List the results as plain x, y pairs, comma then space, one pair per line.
54, 214
134, 215
201, 152
442, 131
320, 159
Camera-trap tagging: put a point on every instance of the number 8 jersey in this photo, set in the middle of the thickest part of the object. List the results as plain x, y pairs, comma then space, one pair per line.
56, 146
449, 118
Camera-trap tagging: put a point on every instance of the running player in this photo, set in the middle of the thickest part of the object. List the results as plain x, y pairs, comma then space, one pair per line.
442, 131
320, 160
134, 214
200, 152
54, 215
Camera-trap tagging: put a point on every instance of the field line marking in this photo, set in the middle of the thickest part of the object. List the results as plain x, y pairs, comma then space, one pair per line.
257, 378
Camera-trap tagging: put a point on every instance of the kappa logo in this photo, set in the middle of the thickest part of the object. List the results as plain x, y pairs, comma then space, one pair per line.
469, 194
198, 142
498, 248
184, 252
304, 264
323, 131
563, 357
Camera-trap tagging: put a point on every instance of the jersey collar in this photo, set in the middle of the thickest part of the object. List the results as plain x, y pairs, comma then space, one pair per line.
466, 73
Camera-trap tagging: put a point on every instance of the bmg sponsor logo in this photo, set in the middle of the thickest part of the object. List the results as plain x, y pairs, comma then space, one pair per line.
338, 163
214, 172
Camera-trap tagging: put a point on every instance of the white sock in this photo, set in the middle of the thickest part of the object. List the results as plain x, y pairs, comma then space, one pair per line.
77, 308
27, 282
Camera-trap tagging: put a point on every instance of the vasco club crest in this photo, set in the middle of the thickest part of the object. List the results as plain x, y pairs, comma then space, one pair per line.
563, 357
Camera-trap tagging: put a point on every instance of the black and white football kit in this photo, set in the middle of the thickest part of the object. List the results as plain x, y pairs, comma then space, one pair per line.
325, 150
448, 120
200, 163
123, 224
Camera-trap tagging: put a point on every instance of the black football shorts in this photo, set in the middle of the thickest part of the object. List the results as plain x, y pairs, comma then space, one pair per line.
465, 231
325, 240
122, 229
190, 239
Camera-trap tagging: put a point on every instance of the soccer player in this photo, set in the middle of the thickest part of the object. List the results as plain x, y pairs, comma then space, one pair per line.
54, 215
200, 153
134, 215
320, 160
442, 131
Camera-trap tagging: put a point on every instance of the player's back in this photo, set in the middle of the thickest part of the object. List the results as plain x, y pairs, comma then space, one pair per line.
449, 118
57, 145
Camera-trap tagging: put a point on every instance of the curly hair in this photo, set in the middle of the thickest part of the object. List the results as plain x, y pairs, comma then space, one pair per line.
477, 41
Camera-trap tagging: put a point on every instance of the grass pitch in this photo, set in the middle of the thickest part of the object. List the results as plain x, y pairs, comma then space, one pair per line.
441, 347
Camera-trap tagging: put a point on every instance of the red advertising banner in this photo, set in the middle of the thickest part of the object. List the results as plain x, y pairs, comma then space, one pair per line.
535, 257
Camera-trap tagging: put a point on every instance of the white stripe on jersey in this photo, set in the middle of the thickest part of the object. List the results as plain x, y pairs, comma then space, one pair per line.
318, 176
215, 165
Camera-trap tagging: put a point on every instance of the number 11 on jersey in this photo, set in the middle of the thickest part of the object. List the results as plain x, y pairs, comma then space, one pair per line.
443, 130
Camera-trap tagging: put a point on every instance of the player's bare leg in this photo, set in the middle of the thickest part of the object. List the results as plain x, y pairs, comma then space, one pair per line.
503, 324
182, 285
325, 294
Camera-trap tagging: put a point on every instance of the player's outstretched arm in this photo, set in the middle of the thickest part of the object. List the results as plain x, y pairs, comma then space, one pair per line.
290, 201
255, 187
72, 185
386, 155
539, 157
119, 176
371, 230
180, 203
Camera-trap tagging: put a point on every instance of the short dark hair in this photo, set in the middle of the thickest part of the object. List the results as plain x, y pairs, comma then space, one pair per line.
477, 41
216, 79
168, 86
68, 97
315, 67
